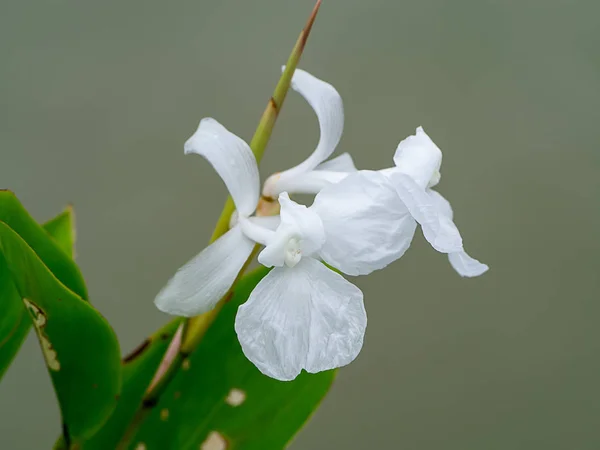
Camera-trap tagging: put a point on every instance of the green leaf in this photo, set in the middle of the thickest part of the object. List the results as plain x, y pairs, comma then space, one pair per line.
203, 400
80, 349
62, 230
14, 322
138, 369
13, 214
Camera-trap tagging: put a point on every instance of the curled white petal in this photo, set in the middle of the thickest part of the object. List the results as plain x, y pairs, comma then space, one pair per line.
299, 226
233, 160
328, 106
269, 222
306, 317
303, 183
341, 163
204, 280
367, 226
256, 232
418, 157
437, 228
465, 265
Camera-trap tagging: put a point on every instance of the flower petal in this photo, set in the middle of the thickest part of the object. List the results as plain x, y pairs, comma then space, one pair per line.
269, 222
304, 221
297, 221
341, 163
306, 317
440, 202
438, 228
204, 280
233, 160
465, 265
366, 224
419, 158
328, 106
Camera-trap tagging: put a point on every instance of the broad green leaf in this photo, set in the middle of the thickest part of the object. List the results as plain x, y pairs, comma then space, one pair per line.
13, 214
80, 349
200, 400
62, 230
138, 369
219, 397
14, 321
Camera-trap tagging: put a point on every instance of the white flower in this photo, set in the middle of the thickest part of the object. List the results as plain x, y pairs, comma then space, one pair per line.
200, 284
302, 315
313, 174
386, 206
418, 162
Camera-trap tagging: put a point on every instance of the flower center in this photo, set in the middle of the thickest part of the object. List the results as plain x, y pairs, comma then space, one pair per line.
293, 251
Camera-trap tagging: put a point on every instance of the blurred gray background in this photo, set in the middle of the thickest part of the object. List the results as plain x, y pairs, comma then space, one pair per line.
97, 98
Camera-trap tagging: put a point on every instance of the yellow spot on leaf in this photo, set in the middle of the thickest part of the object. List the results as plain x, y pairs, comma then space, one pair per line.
164, 414
140, 446
185, 365
236, 397
214, 441
39, 323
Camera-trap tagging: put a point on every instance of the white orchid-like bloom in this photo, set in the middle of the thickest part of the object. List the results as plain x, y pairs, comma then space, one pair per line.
302, 315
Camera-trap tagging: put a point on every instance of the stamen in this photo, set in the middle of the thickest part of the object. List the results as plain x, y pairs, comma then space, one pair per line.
293, 252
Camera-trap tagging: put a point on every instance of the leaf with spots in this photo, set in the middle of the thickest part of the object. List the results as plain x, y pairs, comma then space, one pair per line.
14, 321
138, 369
79, 346
219, 400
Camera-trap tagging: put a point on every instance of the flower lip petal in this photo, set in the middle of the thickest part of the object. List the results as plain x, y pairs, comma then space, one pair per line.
206, 278
233, 160
437, 228
328, 106
440, 202
306, 317
467, 266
